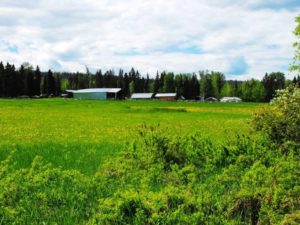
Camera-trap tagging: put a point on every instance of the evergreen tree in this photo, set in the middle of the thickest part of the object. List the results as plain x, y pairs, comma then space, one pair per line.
120, 81
156, 83
50, 86
147, 84
29, 82
138, 86
296, 81
2, 87
142, 83
179, 85
273, 82
126, 85
37, 81
99, 79
161, 81
186, 87
57, 85
194, 86
10, 80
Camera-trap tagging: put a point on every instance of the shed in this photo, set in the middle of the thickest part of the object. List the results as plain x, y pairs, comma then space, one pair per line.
96, 93
211, 99
142, 96
166, 96
230, 99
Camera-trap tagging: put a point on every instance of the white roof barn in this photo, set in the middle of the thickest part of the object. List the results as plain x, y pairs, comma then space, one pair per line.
96, 93
137, 96
166, 96
230, 99
96, 90
160, 95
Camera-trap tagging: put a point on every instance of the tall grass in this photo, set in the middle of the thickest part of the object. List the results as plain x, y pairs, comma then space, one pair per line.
81, 135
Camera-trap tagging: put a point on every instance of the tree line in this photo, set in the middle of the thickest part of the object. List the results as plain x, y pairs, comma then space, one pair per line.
29, 81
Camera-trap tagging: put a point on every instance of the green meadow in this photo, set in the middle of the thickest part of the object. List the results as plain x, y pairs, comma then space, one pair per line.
65, 161
81, 135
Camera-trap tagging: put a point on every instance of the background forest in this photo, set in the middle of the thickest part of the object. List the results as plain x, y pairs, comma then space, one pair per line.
27, 81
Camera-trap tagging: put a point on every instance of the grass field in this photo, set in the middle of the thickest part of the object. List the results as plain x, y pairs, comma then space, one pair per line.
81, 134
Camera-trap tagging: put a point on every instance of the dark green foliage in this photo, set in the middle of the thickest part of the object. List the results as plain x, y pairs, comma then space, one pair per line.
42, 194
296, 81
273, 82
37, 81
50, 85
168, 83
281, 121
2, 84
29, 82
253, 91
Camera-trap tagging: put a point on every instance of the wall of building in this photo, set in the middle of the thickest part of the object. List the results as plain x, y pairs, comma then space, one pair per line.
90, 96
167, 98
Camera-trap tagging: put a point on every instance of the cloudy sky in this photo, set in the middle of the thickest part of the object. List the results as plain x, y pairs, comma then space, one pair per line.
241, 38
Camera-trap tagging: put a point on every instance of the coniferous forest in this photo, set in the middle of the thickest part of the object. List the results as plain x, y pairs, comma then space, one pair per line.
29, 81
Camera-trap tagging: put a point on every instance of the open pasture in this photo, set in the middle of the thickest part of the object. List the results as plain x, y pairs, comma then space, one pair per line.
75, 134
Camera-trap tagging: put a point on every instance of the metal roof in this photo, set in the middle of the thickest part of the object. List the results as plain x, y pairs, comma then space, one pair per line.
141, 95
96, 90
230, 99
165, 95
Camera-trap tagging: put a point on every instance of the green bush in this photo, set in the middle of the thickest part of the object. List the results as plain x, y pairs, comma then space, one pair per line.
42, 194
281, 120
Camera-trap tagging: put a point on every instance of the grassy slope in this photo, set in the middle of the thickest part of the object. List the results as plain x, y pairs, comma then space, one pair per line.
81, 134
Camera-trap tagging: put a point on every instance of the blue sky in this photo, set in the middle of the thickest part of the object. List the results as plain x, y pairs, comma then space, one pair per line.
242, 39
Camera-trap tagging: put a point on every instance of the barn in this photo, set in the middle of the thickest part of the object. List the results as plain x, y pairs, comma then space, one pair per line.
96, 93
230, 99
142, 96
166, 96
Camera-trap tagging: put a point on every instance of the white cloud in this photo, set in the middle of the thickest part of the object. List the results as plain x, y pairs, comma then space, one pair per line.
67, 35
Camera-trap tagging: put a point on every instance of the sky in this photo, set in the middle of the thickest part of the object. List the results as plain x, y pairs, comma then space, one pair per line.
241, 38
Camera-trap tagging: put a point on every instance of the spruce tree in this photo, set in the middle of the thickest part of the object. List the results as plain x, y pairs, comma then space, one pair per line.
50, 90
1, 79
37, 81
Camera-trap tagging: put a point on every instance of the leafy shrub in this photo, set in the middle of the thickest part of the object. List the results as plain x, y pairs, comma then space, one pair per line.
43, 194
191, 180
281, 121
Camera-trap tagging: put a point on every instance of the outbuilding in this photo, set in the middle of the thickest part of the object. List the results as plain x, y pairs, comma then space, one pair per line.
211, 99
142, 96
230, 99
166, 96
96, 93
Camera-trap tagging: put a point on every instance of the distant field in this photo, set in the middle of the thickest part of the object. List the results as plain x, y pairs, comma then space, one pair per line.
82, 134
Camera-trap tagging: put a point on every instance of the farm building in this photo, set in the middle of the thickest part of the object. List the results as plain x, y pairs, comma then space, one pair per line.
142, 96
166, 96
230, 99
211, 99
96, 93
